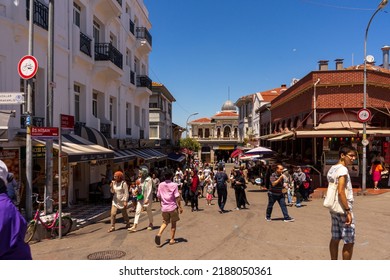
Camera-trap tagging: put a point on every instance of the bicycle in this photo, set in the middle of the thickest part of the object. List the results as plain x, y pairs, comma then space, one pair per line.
66, 222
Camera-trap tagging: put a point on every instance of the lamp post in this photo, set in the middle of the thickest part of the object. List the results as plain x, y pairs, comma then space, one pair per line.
193, 114
364, 161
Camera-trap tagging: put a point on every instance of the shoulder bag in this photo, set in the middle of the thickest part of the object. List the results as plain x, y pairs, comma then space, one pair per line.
331, 200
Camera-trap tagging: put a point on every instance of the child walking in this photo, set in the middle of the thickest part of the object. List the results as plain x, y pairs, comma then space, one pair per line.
209, 191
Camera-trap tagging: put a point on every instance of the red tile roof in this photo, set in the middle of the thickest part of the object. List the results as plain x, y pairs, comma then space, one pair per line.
202, 120
226, 114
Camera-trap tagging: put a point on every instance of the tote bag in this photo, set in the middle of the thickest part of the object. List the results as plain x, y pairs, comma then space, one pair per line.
331, 200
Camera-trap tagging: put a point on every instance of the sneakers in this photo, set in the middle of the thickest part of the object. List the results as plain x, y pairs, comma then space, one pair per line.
289, 219
268, 219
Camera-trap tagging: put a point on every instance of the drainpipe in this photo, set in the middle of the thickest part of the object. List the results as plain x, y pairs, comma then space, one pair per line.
315, 120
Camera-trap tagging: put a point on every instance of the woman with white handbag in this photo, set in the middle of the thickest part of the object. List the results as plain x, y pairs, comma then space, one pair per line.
340, 191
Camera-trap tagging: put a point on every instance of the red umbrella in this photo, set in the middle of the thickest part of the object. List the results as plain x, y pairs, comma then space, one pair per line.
236, 153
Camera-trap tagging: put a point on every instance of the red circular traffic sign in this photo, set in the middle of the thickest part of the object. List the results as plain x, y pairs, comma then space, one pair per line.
364, 115
27, 67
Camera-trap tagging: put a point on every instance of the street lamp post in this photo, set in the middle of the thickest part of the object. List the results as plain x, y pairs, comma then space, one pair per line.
193, 114
364, 161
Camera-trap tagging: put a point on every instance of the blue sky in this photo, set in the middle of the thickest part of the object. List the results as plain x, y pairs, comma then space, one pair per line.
205, 50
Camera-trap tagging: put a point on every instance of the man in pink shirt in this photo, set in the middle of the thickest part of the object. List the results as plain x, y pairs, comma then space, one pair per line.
169, 196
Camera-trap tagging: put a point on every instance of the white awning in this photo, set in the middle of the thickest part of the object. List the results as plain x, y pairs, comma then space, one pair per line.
283, 136
325, 133
79, 149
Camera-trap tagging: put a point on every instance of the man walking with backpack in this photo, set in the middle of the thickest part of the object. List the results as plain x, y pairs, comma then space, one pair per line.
220, 179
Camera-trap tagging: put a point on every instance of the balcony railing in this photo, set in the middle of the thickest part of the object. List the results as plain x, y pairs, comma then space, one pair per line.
132, 77
132, 26
35, 121
105, 129
143, 33
144, 81
106, 51
41, 14
85, 44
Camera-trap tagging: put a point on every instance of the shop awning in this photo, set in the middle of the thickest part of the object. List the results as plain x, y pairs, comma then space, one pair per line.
93, 135
230, 147
79, 149
179, 157
325, 133
283, 136
376, 132
123, 155
4, 122
142, 153
156, 153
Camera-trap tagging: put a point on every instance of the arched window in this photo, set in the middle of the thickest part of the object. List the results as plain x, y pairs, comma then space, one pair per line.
218, 133
226, 131
206, 132
200, 133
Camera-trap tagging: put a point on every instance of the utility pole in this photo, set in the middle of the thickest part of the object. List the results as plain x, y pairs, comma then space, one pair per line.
49, 109
28, 119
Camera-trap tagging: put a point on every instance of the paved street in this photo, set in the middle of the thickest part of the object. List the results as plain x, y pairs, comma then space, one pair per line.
234, 235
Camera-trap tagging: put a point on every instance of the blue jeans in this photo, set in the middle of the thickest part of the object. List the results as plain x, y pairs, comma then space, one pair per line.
222, 197
272, 198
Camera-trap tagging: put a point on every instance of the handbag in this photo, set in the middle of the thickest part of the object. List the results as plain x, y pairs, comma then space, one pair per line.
331, 200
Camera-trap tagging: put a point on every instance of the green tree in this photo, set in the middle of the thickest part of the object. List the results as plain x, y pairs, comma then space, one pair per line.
189, 143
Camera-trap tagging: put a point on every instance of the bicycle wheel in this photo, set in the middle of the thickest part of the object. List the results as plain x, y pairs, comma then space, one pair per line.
31, 229
66, 225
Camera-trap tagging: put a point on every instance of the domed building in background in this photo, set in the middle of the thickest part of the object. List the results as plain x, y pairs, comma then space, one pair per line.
217, 135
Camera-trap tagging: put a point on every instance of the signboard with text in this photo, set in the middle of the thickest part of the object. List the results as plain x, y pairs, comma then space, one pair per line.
44, 132
67, 121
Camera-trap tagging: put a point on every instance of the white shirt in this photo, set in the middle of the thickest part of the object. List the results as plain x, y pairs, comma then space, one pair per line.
334, 173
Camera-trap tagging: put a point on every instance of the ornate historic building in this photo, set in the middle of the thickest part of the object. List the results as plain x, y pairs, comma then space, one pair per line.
217, 135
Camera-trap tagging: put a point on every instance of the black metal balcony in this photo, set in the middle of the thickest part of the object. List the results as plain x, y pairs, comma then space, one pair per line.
105, 129
85, 44
143, 33
144, 81
132, 26
132, 77
35, 121
106, 51
40, 14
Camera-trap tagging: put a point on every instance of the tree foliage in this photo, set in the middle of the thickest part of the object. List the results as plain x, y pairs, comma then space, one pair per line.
189, 143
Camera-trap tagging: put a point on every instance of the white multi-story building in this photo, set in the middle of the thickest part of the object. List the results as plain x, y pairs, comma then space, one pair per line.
101, 66
160, 114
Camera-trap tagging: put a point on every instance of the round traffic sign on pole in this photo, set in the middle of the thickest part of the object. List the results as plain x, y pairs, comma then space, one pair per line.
364, 115
27, 67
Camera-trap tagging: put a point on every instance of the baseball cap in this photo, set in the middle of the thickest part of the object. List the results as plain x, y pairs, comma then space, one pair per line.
3, 172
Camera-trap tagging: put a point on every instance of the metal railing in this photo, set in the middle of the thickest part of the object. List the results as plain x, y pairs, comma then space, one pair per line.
144, 81
35, 121
143, 33
41, 14
106, 51
85, 44
105, 129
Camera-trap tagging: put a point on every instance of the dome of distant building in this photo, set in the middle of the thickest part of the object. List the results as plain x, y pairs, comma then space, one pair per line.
228, 106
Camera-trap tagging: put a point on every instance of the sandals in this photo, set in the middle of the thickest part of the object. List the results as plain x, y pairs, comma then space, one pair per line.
111, 229
157, 240
132, 229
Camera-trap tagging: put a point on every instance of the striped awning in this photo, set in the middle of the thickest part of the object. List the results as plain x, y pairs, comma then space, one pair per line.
79, 149
148, 154
93, 135
123, 155
179, 157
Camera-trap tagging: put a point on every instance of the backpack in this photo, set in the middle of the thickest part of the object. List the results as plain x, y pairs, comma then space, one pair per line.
220, 180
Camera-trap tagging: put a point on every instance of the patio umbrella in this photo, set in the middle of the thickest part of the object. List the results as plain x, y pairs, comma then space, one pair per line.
261, 151
236, 153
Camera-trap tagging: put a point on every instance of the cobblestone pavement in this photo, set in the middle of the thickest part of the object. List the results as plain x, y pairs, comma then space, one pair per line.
236, 235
